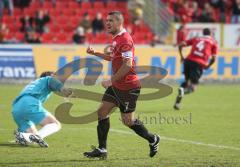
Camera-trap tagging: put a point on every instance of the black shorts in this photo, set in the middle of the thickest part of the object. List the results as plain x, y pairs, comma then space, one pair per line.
192, 71
125, 99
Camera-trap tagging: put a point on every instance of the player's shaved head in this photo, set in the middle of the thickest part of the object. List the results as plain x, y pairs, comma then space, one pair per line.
114, 22
206, 31
118, 15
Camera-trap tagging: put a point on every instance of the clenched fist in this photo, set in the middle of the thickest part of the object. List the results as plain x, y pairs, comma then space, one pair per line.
90, 50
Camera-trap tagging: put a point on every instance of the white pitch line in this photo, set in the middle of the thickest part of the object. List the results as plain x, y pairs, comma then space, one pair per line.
183, 141
163, 138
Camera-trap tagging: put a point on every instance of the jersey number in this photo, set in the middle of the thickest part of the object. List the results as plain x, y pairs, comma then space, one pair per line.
200, 45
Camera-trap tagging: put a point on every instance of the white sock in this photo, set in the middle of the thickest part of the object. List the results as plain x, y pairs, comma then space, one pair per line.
26, 136
48, 130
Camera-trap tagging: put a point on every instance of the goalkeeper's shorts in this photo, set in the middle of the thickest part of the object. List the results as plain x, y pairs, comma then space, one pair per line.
28, 111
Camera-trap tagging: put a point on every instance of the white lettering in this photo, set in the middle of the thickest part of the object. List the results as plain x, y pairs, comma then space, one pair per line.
17, 72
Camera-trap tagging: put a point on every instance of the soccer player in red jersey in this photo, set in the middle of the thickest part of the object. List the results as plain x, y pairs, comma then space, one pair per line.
181, 34
203, 49
122, 90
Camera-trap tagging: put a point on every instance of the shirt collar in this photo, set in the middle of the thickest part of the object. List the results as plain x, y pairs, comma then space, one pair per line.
207, 36
120, 33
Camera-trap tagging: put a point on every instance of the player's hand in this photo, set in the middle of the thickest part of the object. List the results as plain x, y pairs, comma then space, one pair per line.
67, 92
106, 83
207, 67
90, 50
182, 60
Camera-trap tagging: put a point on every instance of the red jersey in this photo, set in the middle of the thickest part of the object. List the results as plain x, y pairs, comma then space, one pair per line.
123, 47
181, 36
202, 49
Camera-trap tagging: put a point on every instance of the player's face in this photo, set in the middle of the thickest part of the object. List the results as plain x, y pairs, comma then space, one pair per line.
112, 24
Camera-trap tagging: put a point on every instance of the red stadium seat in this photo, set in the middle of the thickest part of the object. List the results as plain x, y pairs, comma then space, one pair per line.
9, 36
62, 38
111, 5
17, 12
89, 37
121, 5
47, 38
86, 5
54, 12
68, 12
13, 28
62, 20
35, 5
19, 36
73, 5
68, 28
61, 5
29, 11
75, 21
47, 5
98, 5
8, 19
55, 28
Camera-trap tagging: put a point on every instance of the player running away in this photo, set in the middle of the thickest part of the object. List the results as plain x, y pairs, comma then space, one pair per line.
122, 90
27, 110
203, 49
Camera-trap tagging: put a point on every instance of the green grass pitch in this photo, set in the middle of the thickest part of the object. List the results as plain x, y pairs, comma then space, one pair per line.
207, 134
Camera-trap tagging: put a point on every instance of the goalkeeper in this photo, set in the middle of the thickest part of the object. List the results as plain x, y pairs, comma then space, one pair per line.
27, 110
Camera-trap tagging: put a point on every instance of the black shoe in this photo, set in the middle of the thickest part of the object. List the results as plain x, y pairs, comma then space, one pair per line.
177, 106
96, 153
19, 138
154, 146
37, 139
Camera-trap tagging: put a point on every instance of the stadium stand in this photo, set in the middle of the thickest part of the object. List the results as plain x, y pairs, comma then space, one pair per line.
64, 18
204, 10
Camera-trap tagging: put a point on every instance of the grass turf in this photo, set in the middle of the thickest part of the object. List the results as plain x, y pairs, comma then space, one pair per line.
210, 116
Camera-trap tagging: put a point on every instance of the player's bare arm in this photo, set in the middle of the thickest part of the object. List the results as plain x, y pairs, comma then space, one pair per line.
212, 60
180, 47
66, 91
124, 69
105, 56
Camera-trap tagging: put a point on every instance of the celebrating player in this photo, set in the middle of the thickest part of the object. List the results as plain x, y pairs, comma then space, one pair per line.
28, 110
203, 49
122, 90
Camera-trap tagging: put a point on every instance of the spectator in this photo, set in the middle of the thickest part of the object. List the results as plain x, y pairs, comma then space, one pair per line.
53, 2
27, 23
207, 15
98, 24
41, 19
236, 12
136, 9
3, 32
31, 37
86, 23
104, 2
181, 34
8, 4
176, 5
1, 8
196, 11
22, 3
226, 10
185, 12
79, 36
156, 40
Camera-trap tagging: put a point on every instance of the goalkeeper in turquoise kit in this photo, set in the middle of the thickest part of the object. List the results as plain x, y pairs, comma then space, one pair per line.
27, 110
